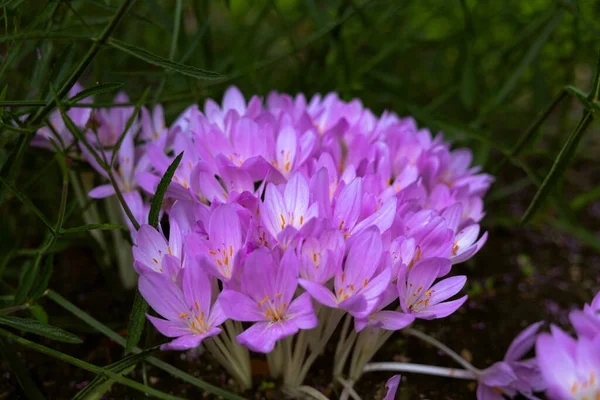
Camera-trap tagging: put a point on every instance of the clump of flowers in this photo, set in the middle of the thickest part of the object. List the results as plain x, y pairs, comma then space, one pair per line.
289, 217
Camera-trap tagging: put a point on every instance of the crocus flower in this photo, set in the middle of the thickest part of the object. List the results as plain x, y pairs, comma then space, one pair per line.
189, 316
587, 321
266, 297
359, 283
513, 375
79, 116
392, 387
290, 208
571, 368
153, 252
421, 298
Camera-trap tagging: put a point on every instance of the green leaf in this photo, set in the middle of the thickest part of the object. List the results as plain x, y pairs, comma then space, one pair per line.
96, 90
136, 321
559, 166
91, 227
163, 62
42, 280
128, 125
118, 367
585, 99
161, 190
32, 326
88, 367
39, 314
513, 79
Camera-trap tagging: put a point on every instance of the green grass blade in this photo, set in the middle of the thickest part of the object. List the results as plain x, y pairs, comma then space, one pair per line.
585, 99
96, 90
25, 200
88, 367
92, 227
531, 54
153, 59
137, 321
585, 199
120, 366
559, 166
163, 185
106, 331
41, 283
32, 326
87, 59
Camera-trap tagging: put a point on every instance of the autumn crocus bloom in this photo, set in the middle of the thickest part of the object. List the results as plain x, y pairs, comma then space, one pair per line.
153, 252
266, 297
359, 283
513, 375
288, 209
421, 298
571, 368
587, 321
189, 316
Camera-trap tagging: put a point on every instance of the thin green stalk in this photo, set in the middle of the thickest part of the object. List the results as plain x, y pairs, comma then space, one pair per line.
87, 59
87, 366
100, 327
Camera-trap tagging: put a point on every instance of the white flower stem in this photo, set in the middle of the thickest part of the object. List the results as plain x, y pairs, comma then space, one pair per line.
348, 389
420, 369
426, 338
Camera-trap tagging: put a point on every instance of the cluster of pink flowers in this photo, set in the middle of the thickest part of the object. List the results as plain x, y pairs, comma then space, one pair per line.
282, 206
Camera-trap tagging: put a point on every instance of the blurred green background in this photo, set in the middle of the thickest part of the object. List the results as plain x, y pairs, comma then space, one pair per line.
480, 71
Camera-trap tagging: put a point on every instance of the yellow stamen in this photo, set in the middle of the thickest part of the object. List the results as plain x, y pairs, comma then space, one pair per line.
214, 253
282, 221
454, 249
341, 225
301, 220
428, 293
574, 388
169, 250
419, 254
265, 299
315, 257
341, 291
219, 262
343, 277
277, 294
288, 165
196, 305
183, 315
231, 250
419, 289
365, 282
155, 260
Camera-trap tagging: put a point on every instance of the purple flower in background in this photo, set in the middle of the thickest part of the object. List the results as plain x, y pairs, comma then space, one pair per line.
421, 298
266, 297
189, 316
513, 375
571, 368
587, 321
79, 115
